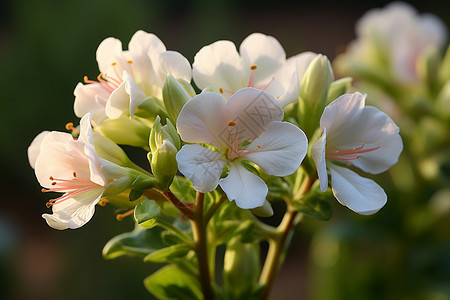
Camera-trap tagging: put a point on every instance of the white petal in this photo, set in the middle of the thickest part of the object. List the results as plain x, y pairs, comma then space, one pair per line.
201, 120
218, 65
283, 147
291, 74
252, 110
172, 62
244, 187
360, 194
201, 166
339, 117
143, 42
90, 98
376, 129
60, 161
136, 94
265, 52
35, 148
118, 102
318, 154
86, 134
108, 52
73, 213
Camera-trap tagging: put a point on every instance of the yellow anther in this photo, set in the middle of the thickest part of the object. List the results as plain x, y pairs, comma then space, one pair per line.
253, 67
231, 123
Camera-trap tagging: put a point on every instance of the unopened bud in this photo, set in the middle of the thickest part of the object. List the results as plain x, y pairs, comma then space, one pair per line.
175, 95
160, 133
149, 108
339, 88
164, 164
428, 66
125, 131
264, 211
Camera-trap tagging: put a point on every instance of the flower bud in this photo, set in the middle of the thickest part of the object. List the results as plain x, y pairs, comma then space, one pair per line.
110, 151
428, 66
241, 269
175, 95
314, 93
125, 131
339, 88
444, 72
164, 164
166, 132
264, 211
443, 102
149, 108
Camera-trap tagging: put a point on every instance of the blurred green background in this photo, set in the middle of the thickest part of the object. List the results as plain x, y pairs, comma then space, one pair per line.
47, 46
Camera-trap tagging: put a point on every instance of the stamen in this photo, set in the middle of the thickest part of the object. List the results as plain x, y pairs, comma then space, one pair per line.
221, 90
113, 64
231, 123
103, 202
120, 217
348, 154
129, 61
74, 174
251, 81
69, 126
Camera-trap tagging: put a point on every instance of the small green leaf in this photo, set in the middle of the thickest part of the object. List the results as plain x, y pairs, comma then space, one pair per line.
140, 241
166, 254
146, 211
135, 194
316, 205
171, 283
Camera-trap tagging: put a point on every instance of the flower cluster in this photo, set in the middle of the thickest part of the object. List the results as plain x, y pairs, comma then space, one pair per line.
234, 134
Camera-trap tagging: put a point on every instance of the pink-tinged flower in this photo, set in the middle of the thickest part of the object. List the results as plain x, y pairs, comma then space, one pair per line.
72, 167
396, 35
261, 63
246, 127
128, 77
358, 135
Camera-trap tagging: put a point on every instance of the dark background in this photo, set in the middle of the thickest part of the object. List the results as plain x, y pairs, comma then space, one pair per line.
46, 47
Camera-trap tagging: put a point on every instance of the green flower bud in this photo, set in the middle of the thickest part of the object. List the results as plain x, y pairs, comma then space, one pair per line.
338, 88
241, 269
444, 72
264, 211
443, 102
125, 131
110, 151
149, 108
166, 132
314, 93
175, 95
164, 164
428, 66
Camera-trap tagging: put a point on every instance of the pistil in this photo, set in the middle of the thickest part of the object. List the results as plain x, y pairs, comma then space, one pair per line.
348, 154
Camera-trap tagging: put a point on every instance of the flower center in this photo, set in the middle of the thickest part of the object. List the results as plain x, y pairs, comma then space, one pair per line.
233, 151
251, 82
72, 187
347, 154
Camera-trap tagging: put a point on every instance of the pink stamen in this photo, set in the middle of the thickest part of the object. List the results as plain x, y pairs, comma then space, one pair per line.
73, 187
348, 154
233, 151
251, 82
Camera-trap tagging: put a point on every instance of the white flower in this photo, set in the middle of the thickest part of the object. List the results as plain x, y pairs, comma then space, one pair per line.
246, 127
261, 63
398, 34
128, 77
72, 167
362, 136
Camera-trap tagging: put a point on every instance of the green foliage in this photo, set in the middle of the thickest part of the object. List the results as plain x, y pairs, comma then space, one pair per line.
146, 212
315, 204
172, 283
167, 254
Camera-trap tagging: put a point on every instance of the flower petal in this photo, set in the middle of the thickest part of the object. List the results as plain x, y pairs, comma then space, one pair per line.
201, 166
282, 149
108, 52
201, 120
35, 148
172, 62
247, 189
376, 129
73, 213
362, 195
265, 52
340, 116
318, 154
252, 110
118, 102
218, 65
90, 98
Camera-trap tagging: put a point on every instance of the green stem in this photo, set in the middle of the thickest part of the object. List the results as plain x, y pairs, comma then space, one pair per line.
278, 243
199, 231
215, 207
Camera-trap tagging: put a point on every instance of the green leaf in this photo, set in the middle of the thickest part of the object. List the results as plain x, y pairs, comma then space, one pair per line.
140, 241
171, 283
146, 212
166, 254
135, 194
315, 204
182, 188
